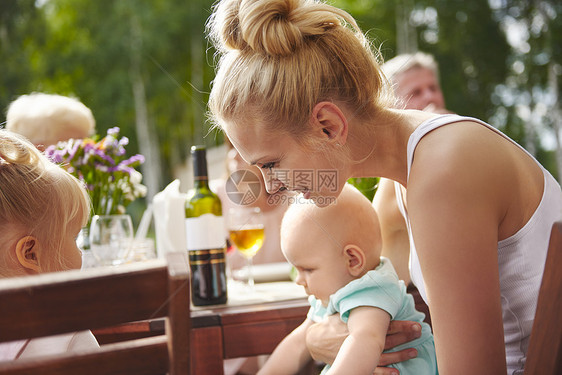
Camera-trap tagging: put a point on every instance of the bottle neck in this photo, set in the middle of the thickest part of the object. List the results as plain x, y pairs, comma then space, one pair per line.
201, 182
200, 175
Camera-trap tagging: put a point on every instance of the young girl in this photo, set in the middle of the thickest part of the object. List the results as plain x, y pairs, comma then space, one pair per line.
299, 90
42, 208
336, 251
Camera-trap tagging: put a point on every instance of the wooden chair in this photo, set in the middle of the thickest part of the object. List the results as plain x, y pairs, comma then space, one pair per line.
63, 302
544, 355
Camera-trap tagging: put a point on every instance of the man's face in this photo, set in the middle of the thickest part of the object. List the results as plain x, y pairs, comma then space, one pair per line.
419, 89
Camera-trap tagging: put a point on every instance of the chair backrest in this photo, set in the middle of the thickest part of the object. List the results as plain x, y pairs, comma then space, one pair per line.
544, 355
71, 301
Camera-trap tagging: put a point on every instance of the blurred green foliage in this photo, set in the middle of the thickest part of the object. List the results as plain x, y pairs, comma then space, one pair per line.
86, 49
366, 185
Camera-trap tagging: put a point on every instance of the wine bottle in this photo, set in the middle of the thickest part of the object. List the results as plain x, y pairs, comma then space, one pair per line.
206, 242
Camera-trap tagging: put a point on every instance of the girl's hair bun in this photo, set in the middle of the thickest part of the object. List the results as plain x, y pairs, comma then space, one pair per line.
15, 149
272, 27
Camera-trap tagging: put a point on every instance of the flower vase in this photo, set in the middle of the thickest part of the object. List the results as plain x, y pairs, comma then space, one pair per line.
111, 239
83, 243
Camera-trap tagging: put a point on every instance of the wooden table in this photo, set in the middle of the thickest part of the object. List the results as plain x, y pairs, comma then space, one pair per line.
242, 331
222, 332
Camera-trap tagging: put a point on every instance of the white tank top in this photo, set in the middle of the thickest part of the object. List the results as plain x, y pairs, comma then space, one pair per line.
521, 257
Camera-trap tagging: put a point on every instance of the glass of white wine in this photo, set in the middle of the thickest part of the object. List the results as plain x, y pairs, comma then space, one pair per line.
246, 231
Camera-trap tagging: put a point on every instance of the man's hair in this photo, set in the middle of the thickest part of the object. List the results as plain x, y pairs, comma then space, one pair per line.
45, 119
405, 62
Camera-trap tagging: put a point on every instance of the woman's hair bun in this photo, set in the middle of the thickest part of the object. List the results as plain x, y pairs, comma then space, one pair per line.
273, 27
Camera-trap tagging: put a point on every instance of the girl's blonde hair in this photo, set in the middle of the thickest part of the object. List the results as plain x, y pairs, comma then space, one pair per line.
37, 198
279, 58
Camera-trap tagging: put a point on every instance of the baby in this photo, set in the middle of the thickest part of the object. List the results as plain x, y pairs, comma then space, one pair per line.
42, 209
336, 251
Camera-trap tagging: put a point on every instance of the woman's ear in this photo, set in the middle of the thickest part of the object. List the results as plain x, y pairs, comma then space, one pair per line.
355, 259
27, 253
330, 122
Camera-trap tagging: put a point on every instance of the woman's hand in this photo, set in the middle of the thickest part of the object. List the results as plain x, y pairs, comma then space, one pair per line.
325, 338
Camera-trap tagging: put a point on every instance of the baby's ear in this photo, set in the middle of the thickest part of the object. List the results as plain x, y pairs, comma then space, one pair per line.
27, 252
355, 258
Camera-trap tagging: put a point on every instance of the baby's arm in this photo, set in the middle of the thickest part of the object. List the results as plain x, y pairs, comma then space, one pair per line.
291, 354
361, 350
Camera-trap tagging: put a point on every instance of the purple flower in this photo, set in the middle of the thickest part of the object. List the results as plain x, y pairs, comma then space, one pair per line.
72, 152
104, 156
55, 155
134, 159
124, 168
109, 179
49, 150
113, 131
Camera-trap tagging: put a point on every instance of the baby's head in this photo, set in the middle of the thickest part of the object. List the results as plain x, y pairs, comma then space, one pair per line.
42, 209
46, 119
331, 246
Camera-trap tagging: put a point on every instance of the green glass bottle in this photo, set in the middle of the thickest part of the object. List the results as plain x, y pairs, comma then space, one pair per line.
205, 237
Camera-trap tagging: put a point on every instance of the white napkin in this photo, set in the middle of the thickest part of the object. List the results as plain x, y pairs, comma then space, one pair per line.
265, 273
169, 219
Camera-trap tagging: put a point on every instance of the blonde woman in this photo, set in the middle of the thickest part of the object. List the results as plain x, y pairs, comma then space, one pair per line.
298, 89
42, 209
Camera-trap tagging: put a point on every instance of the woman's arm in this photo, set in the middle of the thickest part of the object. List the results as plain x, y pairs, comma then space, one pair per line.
456, 200
290, 355
361, 350
396, 244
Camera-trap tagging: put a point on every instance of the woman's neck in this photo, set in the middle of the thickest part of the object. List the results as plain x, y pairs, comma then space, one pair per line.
380, 143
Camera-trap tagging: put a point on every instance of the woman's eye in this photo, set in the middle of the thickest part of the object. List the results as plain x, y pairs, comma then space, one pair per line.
268, 165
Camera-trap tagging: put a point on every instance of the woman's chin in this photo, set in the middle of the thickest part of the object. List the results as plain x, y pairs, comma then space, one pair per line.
321, 200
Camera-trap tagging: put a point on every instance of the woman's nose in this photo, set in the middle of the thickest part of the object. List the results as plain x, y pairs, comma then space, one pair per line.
272, 185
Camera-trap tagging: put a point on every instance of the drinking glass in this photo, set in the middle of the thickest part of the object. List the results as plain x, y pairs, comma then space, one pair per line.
111, 238
246, 231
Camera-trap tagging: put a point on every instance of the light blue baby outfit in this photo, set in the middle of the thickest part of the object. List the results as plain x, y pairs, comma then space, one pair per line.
381, 288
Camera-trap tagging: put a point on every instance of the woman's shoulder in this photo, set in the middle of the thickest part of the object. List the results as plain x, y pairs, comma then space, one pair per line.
468, 166
468, 149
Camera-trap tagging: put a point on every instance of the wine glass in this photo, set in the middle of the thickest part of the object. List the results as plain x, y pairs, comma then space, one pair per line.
111, 238
246, 231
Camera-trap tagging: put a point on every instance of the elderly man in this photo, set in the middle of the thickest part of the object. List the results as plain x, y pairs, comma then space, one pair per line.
46, 119
415, 79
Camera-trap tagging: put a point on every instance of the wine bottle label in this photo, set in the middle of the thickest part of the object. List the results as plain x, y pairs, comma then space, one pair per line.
204, 257
205, 232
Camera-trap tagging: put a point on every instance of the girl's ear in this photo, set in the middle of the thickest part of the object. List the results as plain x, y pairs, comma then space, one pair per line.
27, 253
355, 259
330, 122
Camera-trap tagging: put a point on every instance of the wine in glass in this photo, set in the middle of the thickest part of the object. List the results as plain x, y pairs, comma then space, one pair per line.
246, 232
